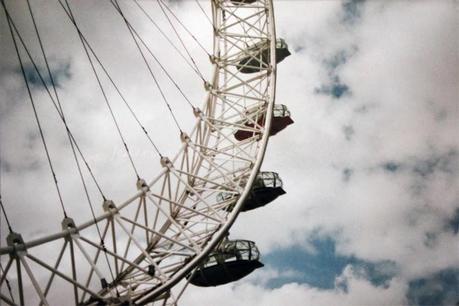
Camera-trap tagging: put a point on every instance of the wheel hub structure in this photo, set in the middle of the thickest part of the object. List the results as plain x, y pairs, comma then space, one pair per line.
157, 237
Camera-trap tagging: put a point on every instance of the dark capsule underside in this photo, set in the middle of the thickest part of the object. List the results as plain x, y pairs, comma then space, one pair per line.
240, 2
261, 196
224, 273
277, 125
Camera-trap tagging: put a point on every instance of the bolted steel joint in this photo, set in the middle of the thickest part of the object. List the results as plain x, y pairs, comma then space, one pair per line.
165, 162
141, 183
69, 225
208, 86
184, 137
15, 240
197, 112
109, 206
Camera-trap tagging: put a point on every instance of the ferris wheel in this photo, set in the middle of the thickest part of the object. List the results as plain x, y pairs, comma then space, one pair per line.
173, 231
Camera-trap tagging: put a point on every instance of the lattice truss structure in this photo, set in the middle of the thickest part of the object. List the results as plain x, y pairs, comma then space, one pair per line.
158, 237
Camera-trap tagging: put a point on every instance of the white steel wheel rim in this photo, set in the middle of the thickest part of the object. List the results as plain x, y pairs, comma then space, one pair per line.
210, 145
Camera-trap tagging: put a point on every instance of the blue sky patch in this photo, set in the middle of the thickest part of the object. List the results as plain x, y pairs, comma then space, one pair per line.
442, 288
352, 11
334, 87
60, 74
391, 166
454, 222
425, 167
347, 174
336, 90
349, 132
320, 268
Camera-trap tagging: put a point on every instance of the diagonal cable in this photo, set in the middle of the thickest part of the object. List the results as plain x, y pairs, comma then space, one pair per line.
53, 83
35, 112
54, 103
204, 12
104, 69
179, 38
116, 5
104, 94
184, 27
157, 61
192, 65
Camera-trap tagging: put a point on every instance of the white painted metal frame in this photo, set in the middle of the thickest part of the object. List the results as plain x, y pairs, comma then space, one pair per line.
158, 236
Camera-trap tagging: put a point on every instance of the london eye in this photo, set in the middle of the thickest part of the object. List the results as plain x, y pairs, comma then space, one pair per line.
172, 230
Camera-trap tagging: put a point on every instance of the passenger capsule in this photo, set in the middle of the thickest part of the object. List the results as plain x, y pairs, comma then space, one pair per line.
257, 57
242, 2
231, 261
280, 120
266, 188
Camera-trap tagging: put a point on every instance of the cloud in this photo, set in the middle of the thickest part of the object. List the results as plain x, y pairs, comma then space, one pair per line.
320, 266
358, 291
390, 193
437, 289
371, 163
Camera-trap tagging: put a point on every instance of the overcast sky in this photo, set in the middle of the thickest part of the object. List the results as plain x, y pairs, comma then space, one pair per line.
371, 214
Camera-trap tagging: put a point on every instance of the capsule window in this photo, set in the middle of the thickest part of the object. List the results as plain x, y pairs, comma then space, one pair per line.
270, 179
233, 251
281, 110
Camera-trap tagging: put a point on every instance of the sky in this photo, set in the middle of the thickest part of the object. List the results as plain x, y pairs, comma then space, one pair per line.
370, 166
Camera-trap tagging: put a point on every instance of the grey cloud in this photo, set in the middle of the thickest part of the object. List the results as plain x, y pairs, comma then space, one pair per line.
374, 66
336, 89
60, 74
348, 131
445, 162
438, 289
453, 223
347, 174
352, 11
391, 166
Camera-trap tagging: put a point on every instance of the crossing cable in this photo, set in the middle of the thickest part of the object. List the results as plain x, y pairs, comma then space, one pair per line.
63, 118
204, 12
53, 83
102, 243
10, 229
54, 102
117, 7
156, 59
104, 94
186, 29
42, 136
195, 68
112, 81
11, 23
8, 285
179, 38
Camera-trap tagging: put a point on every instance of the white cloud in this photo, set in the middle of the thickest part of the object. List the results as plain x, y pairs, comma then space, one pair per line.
403, 77
359, 291
402, 69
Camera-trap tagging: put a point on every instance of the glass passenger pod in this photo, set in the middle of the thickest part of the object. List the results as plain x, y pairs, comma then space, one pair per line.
281, 119
266, 188
242, 2
257, 57
231, 261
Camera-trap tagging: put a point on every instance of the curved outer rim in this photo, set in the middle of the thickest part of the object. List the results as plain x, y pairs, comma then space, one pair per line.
223, 230
220, 234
